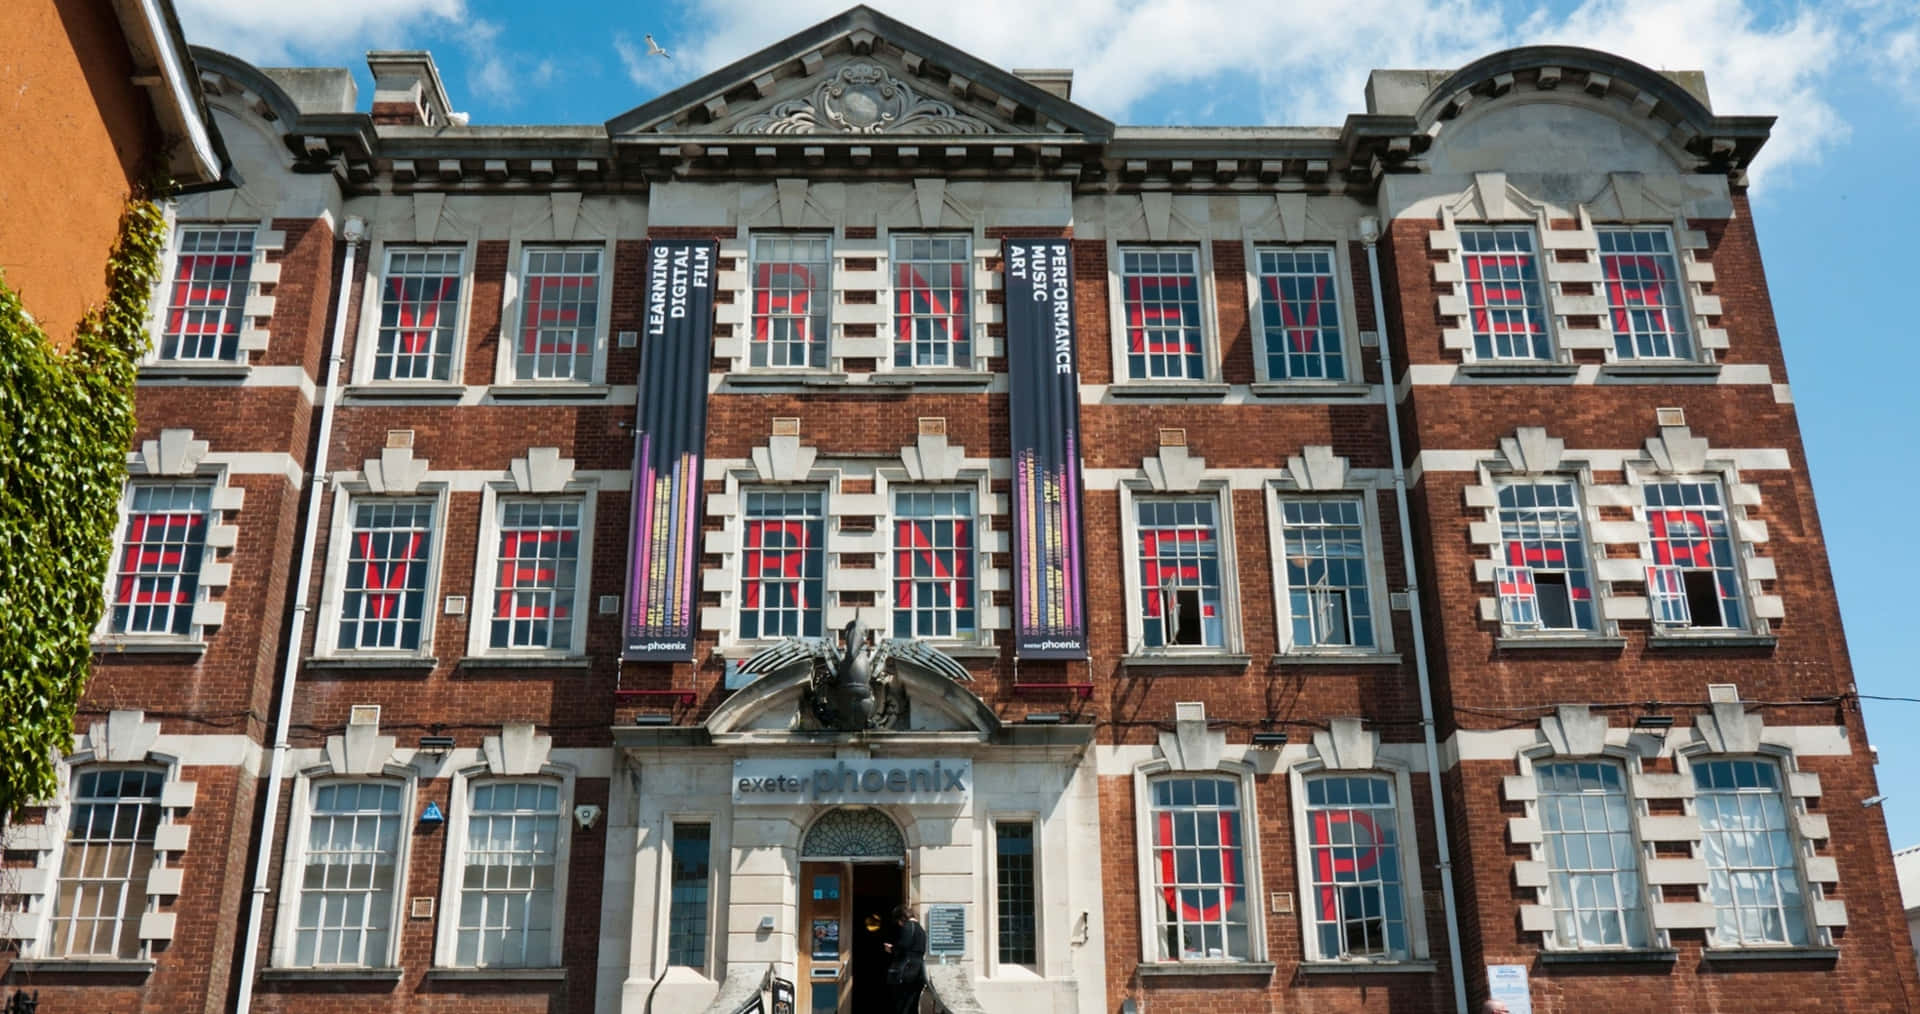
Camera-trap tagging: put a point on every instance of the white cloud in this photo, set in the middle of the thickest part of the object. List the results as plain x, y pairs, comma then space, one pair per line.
279, 31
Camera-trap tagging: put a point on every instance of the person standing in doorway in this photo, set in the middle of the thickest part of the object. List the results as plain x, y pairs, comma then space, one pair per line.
907, 969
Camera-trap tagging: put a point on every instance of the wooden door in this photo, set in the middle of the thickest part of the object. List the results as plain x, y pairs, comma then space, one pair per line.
826, 965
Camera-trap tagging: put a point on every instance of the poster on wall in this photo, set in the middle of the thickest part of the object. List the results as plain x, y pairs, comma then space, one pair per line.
1049, 565
826, 940
676, 345
1507, 984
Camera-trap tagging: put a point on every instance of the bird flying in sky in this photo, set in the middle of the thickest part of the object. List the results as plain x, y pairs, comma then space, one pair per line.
654, 49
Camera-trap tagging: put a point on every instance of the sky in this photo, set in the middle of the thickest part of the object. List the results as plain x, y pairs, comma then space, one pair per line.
1833, 201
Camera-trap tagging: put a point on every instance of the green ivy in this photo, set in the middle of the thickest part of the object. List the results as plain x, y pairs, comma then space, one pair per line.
66, 421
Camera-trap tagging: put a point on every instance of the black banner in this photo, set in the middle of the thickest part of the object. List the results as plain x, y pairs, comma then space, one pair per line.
669, 451
1049, 564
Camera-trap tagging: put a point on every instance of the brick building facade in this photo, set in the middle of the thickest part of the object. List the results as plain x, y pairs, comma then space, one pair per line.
1529, 658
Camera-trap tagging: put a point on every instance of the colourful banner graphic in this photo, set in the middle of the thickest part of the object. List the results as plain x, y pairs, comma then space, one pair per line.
1049, 564
669, 451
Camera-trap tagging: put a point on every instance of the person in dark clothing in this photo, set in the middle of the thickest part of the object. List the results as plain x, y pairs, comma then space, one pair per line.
907, 969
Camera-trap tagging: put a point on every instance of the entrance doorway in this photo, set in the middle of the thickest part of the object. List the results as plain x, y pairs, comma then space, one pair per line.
853, 873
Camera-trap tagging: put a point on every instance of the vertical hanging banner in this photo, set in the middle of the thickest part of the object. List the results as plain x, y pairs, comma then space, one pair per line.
1049, 565
669, 451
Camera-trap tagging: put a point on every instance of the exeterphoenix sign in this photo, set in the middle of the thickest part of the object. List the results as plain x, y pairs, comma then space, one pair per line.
946, 781
669, 449
1043, 401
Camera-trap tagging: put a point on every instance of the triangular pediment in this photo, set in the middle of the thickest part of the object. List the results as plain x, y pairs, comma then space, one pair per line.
858, 75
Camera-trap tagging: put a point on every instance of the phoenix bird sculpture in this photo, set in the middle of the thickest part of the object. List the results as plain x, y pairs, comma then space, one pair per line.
852, 685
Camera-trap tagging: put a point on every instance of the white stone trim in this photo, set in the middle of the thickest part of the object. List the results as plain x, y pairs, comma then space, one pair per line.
348, 489
541, 475
428, 208
1351, 749
940, 466
1318, 472
1675, 454
1169, 475
1294, 221
1177, 233
1143, 777
178, 456
257, 311
567, 224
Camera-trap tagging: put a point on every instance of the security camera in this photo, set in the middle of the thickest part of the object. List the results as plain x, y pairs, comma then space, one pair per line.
586, 816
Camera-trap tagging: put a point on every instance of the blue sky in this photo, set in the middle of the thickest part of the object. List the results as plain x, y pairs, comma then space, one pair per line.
1832, 188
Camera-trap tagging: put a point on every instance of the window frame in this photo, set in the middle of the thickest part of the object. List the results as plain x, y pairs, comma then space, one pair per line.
719, 848
1378, 591
1412, 889
368, 338
1144, 777
1534, 229
163, 298
972, 488
1651, 894
991, 925
1209, 310
740, 522
1596, 587
514, 308
1346, 331
333, 585
829, 348
975, 329
486, 563
454, 859
137, 893
1683, 287
1232, 633
1793, 808
214, 482
294, 860
1738, 551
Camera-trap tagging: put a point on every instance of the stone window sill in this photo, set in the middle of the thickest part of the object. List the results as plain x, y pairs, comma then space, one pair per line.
82, 966
1197, 664
194, 371
1366, 967
1684, 642
1495, 371
553, 391
1331, 658
1309, 389
931, 378
750, 377
397, 391
1653, 957
525, 662
498, 974
1735, 955
1567, 642
331, 974
1198, 389
1260, 968
143, 646
1636, 371
371, 663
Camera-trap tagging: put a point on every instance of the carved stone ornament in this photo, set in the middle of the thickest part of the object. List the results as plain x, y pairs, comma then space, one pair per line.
851, 685
862, 98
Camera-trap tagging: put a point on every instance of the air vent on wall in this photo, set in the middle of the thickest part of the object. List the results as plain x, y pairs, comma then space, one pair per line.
364, 714
786, 426
1670, 416
399, 438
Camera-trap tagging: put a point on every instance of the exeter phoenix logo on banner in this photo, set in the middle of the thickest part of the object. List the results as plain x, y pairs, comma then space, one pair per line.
670, 442
1044, 408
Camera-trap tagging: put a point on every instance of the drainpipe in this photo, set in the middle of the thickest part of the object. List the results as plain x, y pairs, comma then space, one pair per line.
1370, 236
354, 231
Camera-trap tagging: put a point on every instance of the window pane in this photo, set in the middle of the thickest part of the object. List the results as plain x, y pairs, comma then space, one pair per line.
933, 563
1328, 589
559, 318
1013, 864
1753, 873
535, 574
783, 569
1160, 301
1593, 863
790, 275
1180, 582
158, 577
1644, 301
932, 294
1695, 578
1202, 908
419, 314
1358, 908
383, 604
206, 304
1505, 305
102, 891
346, 901
507, 901
687, 914
1543, 577
1299, 314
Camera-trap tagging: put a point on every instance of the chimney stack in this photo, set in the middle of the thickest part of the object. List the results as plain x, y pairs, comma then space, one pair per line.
407, 89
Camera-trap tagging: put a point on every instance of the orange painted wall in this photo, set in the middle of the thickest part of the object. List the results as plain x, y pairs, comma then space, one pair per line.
75, 134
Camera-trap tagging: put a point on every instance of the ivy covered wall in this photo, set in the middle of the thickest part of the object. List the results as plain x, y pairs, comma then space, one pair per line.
66, 421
